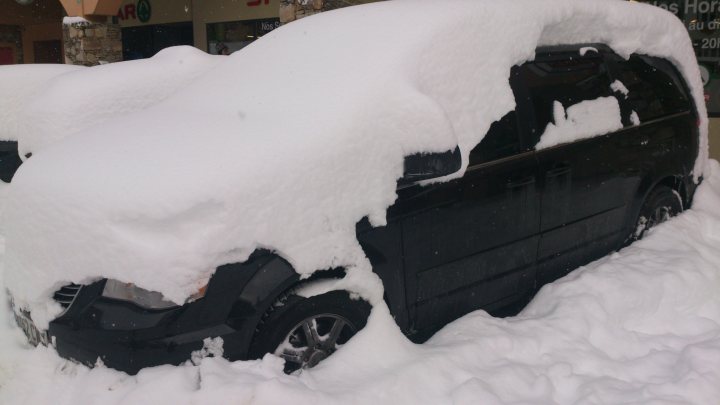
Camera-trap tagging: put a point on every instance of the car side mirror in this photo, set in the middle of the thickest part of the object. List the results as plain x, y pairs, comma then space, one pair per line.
424, 166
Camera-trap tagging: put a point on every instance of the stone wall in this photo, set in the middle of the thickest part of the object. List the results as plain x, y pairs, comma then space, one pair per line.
11, 34
91, 43
291, 10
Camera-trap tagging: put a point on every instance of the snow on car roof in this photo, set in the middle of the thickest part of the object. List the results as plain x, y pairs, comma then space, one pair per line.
288, 143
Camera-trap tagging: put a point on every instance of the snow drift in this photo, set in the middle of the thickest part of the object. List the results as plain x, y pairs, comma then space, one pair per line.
290, 142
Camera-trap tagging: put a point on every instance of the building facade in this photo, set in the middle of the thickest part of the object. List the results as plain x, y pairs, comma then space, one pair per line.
31, 33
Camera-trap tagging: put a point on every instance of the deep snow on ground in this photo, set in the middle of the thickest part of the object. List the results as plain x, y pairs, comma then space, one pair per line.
639, 326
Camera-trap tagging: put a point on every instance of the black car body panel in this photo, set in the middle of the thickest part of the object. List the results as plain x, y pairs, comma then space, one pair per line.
517, 219
9, 160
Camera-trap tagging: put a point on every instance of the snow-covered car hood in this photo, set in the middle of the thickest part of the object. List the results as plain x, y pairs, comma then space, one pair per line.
289, 143
42, 104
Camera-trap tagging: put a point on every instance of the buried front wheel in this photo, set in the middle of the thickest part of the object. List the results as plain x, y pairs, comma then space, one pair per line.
661, 204
305, 331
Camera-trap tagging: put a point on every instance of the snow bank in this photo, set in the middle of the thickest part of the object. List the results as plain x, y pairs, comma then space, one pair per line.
640, 326
289, 143
88, 97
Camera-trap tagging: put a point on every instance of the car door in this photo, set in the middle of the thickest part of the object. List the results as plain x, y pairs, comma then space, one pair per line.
661, 130
472, 242
584, 193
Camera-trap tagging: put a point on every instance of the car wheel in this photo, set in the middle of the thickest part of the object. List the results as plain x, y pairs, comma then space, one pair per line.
661, 204
305, 331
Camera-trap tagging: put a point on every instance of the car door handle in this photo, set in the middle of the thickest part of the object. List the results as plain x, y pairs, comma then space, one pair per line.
638, 140
521, 182
558, 171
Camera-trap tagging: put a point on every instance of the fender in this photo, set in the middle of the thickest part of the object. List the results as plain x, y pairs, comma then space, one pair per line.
268, 276
674, 181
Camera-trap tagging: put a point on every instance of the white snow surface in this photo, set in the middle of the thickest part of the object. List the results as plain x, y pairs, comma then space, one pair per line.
583, 120
75, 20
88, 97
289, 143
618, 86
20, 84
587, 49
640, 326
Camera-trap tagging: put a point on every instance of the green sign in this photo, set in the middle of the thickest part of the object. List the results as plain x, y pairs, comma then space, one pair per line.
144, 10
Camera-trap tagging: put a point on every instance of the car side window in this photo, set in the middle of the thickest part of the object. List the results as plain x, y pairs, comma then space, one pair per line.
654, 88
569, 80
501, 141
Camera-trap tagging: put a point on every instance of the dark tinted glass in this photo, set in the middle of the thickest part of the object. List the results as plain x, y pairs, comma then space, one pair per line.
500, 141
569, 79
655, 89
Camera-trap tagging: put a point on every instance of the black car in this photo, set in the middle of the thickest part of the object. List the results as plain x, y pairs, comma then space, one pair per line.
9, 160
517, 219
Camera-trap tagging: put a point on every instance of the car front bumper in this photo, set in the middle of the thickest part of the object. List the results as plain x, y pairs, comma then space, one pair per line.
120, 335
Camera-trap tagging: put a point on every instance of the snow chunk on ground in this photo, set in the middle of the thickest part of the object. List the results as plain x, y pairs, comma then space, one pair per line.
639, 326
235, 160
585, 119
634, 119
618, 87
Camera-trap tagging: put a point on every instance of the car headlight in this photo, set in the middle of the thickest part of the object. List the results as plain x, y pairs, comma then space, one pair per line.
132, 293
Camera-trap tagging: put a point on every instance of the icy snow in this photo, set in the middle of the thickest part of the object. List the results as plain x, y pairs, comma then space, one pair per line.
639, 326
585, 119
235, 160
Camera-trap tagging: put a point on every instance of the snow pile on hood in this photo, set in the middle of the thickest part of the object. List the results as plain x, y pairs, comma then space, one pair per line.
20, 84
48, 107
641, 326
289, 143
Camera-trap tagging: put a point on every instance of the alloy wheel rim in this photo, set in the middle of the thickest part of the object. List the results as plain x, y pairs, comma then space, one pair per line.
314, 339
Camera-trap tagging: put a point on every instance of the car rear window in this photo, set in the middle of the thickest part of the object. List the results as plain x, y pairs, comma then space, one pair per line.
654, 87
568, 79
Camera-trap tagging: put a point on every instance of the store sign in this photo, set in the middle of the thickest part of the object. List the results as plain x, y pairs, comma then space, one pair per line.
141, 11
702, 20
144, 10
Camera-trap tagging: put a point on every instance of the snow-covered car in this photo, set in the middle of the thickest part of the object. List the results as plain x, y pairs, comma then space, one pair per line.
420, 158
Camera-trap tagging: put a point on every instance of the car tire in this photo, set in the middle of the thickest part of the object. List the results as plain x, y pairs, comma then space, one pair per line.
305, 331
660, 205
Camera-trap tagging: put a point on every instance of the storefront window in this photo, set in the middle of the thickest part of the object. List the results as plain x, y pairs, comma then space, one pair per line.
227, 37
702, 20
